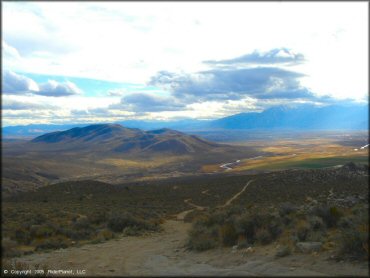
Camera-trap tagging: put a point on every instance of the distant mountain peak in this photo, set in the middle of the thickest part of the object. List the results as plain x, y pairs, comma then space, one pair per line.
300, 117
118, 139
87, 133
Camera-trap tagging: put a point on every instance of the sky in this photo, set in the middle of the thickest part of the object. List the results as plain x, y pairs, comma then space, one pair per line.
76, 62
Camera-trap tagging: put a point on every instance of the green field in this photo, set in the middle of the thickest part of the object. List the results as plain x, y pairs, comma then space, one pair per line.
316, 163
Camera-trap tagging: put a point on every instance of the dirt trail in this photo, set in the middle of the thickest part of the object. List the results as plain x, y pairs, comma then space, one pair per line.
228, 202
164, 253
182, 215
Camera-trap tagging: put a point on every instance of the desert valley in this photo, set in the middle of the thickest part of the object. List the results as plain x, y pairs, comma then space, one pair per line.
184, 139
163, 202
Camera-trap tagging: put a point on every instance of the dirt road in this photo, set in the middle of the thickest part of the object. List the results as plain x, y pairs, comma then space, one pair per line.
164, 254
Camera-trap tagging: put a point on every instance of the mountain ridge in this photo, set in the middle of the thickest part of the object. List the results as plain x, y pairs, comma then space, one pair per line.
119, 139
299, 117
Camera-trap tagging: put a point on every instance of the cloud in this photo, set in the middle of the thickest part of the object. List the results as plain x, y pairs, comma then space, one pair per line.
12, 104
116, 92
54, 89
10, 52
233, 84
143, 102
274, 56
17, 84
32, 33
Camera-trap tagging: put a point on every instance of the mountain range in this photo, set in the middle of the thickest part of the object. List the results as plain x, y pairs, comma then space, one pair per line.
301, 117
304, 117
118, 139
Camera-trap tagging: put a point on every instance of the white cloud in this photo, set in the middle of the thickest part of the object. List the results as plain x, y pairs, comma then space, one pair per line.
10, 52
14, 83
54, 89
28, 104
133, 41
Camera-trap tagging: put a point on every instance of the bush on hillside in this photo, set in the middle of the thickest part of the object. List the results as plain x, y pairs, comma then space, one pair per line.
202, 238
118, 222
228, 234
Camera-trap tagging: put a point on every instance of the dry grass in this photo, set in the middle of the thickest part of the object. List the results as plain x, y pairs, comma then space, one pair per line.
140, 164
286, 154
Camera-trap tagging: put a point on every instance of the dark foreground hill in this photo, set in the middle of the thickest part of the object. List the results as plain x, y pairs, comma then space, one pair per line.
116, 138
279, 207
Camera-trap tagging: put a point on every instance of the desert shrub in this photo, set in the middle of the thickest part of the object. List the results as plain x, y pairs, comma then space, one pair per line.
102, 235
228, 234
287, 220
98, 218
191, 216
82, 223
330, 215
283, 251
263, 236
105, 234
117, 223
274, 228
132, 231
230, 211
51, 243
286, 209
315, 235
345, 222
40, 231
22, 235
302, 230
354, 241
202, 238
79, 234
246, 225
215, 218
242, 242
9, 248
40, 219
316, 223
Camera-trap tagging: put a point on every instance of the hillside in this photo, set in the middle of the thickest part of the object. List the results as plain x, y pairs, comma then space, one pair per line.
118, 139
111, 153
238, 223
